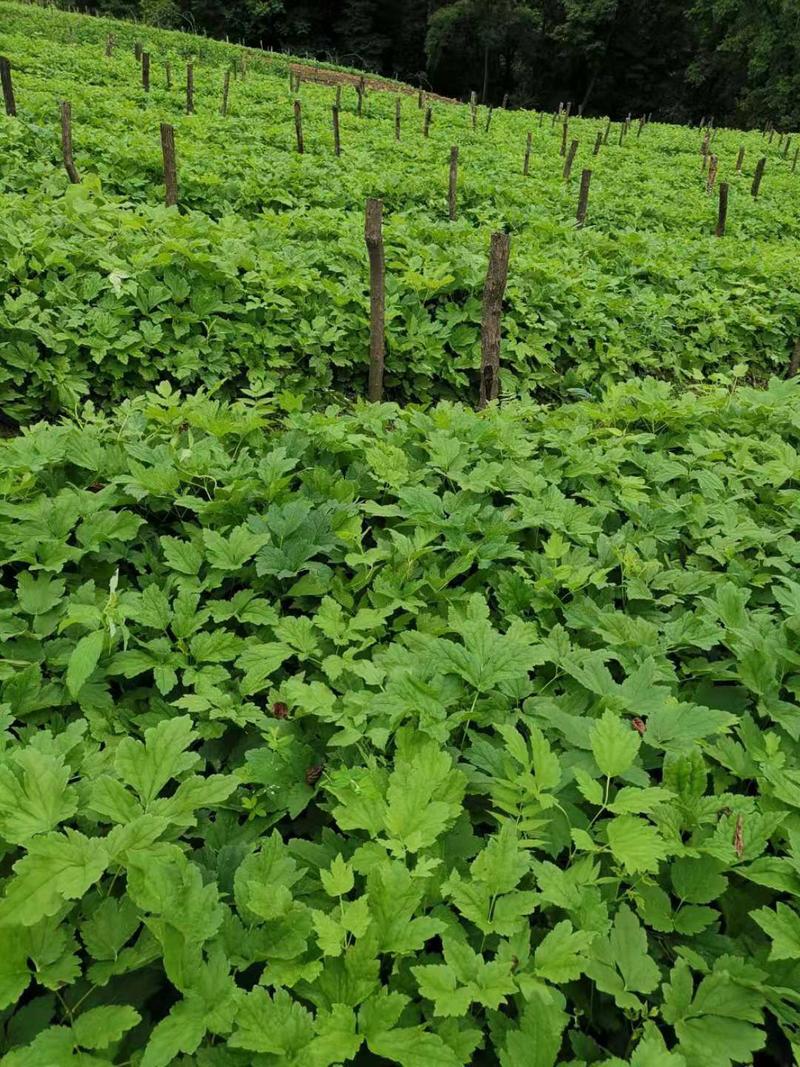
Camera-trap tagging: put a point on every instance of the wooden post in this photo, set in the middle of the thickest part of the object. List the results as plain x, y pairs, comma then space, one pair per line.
170, 166
373, 235
722, 218
137, 51
426, 126
420, 99
794, 161
527, 164
541, 119
569, 108
786, 146
298, 126
564, 132
226, 86
453, 194
712, 175
109, 46
493, 291
505, 101
621, 133
583, 199
189, 88
360, 95
146, 71
608, 131
740, 160
759, 174
771, 135
8, 86
337, 142
474, 112
573, 148
641, 127
794, 362
489, 114
397, 110
66, 142
598, 143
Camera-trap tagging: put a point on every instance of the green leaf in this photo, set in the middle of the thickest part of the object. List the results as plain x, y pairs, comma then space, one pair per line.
83, 660
103, 1026
636, 845
615, 744
783, 927
561, 956
147, 767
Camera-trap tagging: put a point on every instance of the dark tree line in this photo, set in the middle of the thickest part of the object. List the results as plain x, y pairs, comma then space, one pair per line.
736, 59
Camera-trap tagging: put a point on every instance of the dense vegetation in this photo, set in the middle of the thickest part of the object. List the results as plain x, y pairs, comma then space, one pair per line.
335, 732
738, 59
260, 281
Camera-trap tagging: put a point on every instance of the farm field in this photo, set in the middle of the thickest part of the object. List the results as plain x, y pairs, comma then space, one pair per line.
338, 732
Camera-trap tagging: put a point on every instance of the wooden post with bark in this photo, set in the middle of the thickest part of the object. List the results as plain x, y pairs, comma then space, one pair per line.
66, 142
583, 199
573, 148
607, 133
226, 88
712, 175
373, 235
360, 105
621, 134
722, 217
786, 146
564, 133
146, 71
137, 51
598, 143
170, 165
426, 126
493, 292
526, 166
504, 105
759, 174
109, 46
337, 141
489, 114
298, 126
453, 190
794, 161
8, 86
397, 111
189, 88
740, 160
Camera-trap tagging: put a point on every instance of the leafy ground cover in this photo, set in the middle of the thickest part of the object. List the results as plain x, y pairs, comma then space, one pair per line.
260, 280
400, 736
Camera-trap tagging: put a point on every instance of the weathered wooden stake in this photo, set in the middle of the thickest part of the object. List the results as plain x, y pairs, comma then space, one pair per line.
794, 161
298, 126
137, 51
337, 142
564, 132
489, 114
712, 175
420, 99
226, 87
397, 111
722, 217
526, 166
360, 95
740, 160
759, 174
146, 71
66, 142
621, 133
189, 88
453, 193
338, 102
493, 291
573, 148
170, 166
771, 135
426, 126
583, 199
8, 86
598, 143
786, 146
569, 108
109, 46
373, 235
505, 101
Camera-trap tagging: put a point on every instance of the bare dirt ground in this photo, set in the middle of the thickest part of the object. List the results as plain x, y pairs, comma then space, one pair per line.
308, 72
